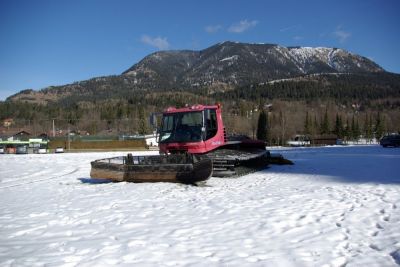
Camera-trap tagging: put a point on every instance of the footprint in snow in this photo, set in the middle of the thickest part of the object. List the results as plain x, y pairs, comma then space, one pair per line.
375, 247
386, 218
380, 227
374, 233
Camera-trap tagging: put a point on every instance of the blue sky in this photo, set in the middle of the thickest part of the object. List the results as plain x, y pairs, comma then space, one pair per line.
55, 42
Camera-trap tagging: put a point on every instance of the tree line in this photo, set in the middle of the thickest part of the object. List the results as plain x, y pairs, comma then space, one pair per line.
372, 127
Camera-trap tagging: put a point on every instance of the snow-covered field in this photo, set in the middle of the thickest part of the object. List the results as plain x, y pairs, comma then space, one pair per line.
337, 206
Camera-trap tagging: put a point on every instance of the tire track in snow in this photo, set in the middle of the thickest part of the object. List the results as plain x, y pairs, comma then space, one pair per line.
40, 180
24, 177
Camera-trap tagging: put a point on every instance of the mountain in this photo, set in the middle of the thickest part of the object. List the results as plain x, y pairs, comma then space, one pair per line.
221, 67
239, 64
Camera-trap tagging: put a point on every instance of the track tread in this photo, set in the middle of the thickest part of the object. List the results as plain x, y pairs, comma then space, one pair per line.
237, 162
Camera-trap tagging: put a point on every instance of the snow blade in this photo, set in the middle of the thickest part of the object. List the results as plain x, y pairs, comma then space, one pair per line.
180, 168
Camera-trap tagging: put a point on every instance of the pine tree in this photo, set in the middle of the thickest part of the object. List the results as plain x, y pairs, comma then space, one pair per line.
371, 127
368, 128
347, 130
142, 129
315, 126
307, 125
338, 126
325, 124
353, 129
262, 126
379, 127
357, 131
282, 120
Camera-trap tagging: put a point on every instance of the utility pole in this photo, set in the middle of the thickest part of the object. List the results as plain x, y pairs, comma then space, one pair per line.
54, 129
69, 141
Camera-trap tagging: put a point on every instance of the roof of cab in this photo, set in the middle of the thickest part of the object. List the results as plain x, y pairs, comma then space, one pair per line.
191, 108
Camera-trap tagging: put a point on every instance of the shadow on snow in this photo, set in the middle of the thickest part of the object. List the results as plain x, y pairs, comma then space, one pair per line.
351, 164
94, 181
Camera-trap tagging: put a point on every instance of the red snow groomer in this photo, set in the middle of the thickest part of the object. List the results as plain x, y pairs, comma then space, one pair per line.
193, 146
200, 130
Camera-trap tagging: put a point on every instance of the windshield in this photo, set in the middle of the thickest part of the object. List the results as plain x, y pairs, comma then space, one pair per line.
181, 127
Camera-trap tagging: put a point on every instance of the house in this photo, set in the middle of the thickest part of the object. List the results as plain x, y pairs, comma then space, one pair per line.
21, 135
13, 134
20, 142
322, 140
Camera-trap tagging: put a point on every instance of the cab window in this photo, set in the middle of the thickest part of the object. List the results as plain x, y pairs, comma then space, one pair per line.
211, 123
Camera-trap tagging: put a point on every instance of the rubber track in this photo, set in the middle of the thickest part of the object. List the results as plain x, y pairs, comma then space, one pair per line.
238, 162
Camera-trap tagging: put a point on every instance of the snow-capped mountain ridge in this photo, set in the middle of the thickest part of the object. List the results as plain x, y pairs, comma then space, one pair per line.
241, 63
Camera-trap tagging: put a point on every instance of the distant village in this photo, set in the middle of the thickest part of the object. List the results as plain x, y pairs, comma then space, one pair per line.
14, 140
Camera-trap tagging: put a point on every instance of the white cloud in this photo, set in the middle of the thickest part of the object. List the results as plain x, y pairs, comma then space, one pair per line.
213, 28
289, 28
159, 42
341, 35
242, 26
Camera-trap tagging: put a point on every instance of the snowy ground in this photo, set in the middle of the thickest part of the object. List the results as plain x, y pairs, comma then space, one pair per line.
336, 206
